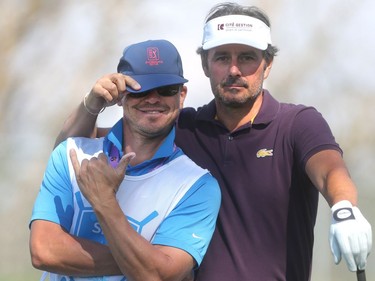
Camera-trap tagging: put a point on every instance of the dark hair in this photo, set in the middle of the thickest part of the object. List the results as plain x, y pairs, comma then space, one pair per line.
229, 8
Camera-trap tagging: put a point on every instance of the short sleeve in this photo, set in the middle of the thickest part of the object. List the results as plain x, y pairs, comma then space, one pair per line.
311, 134
54, 201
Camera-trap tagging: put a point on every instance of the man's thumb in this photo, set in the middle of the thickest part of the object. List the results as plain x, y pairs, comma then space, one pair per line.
125, 161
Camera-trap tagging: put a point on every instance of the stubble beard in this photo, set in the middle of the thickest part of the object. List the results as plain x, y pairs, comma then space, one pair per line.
235, 98
150, 128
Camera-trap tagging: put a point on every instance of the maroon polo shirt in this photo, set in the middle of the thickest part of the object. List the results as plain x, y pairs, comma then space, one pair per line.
265, 226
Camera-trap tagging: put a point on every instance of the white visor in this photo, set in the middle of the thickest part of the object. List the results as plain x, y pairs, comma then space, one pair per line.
236, 29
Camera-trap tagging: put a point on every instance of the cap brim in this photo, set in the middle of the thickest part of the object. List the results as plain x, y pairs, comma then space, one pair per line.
152, 81
243, 41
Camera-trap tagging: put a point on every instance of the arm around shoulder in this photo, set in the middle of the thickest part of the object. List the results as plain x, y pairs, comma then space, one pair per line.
79, 123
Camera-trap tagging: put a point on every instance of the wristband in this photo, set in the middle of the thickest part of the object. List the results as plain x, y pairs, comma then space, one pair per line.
87, 109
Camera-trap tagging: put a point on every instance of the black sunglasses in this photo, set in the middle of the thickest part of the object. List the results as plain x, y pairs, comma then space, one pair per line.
166, 91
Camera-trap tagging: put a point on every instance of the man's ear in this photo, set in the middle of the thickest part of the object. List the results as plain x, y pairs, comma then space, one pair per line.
267, 69
183, 94
204, 65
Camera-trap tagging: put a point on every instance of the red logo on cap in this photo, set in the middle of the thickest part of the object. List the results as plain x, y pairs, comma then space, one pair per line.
153, 56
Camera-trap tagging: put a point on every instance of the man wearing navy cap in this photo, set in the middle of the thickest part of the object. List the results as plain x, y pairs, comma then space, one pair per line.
130, 205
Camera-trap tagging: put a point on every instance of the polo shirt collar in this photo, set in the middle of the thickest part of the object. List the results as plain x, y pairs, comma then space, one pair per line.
268, 110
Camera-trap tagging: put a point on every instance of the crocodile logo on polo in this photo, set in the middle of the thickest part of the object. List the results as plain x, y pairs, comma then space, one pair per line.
264, 152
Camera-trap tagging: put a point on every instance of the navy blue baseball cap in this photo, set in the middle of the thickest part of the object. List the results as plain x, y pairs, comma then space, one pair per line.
153, 64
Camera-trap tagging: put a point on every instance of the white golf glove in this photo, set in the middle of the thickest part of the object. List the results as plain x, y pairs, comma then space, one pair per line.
350, 235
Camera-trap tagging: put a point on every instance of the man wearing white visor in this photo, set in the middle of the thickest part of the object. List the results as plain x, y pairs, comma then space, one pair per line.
271, 160
236, 29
